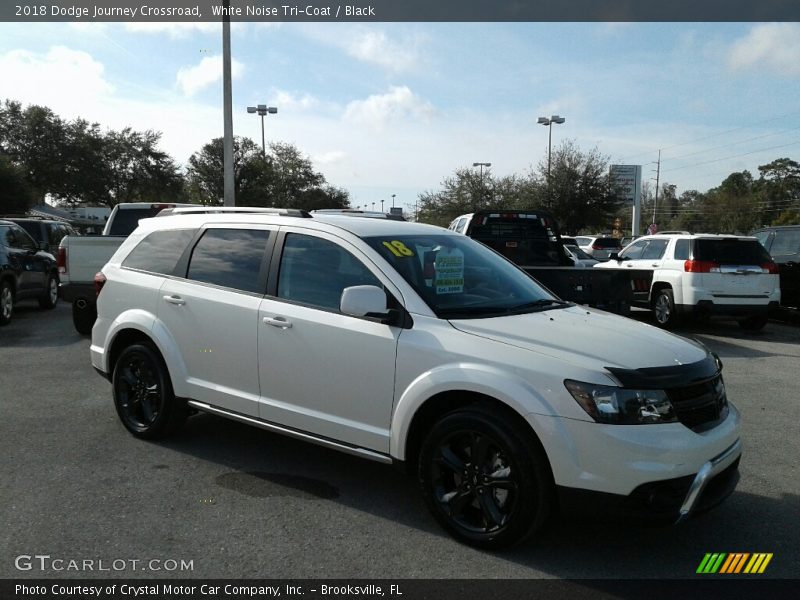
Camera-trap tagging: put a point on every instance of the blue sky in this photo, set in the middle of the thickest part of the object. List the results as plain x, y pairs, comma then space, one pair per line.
393, 108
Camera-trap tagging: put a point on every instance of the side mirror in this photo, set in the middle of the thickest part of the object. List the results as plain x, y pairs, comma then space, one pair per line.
614, 256
364, 301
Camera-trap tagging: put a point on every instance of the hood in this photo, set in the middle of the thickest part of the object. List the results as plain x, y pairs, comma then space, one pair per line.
589, 338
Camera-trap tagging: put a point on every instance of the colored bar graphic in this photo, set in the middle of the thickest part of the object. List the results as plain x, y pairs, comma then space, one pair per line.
724, 563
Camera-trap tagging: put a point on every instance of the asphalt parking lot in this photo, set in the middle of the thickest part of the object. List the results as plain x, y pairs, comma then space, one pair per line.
240, 502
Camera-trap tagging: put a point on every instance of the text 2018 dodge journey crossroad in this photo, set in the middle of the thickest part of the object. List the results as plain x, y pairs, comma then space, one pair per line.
410, 344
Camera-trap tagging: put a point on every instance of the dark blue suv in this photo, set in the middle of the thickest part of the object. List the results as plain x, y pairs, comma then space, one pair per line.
26, 271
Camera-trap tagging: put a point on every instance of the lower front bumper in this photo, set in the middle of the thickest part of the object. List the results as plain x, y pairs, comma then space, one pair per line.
670, 500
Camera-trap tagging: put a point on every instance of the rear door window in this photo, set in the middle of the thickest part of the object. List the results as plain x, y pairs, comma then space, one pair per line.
731, 251
231, 258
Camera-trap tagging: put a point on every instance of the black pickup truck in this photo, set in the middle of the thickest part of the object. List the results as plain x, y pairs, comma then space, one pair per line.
532, 240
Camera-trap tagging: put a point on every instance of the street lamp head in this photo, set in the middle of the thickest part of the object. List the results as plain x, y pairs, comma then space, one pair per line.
272, 110
481, 164
557, 119
251, 109
543, 121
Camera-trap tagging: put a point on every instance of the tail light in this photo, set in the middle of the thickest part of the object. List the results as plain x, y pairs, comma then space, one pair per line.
770, 268
596, 247
61, 261
99, 282
700, 266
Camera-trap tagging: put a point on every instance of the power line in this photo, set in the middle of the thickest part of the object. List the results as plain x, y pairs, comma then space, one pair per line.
732, 144
708, 162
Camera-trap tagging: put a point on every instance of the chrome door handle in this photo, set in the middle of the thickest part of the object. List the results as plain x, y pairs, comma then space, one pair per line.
176, 300
654, 265
279, 322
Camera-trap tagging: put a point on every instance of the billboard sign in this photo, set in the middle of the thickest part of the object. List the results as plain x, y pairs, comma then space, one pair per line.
627, 180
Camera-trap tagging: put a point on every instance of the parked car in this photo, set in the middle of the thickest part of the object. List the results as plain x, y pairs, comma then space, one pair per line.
45, 232
569, 241
628, 239
597, 247
26, 271
783, 244
579, 257
410, 344
703, 275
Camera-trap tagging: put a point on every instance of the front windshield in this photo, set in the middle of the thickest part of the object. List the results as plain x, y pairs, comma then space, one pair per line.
460, 278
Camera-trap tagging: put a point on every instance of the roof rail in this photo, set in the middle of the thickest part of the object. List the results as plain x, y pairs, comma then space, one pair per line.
284, 212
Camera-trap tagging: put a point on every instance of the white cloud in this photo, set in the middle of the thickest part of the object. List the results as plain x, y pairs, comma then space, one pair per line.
380, 109
33, 77
207, 72
174, 30
772, 46
289, 101
375, 47
329, 158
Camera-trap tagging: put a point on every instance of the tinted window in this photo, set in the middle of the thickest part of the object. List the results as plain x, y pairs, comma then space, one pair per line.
786, 241
634, 251
763, 238
126, 220
731, 251
682, 249
159, 252
230, 258
315, 271
32, 227
655, 249
18, 238
4, 236
607, 242
55, 233
461, 224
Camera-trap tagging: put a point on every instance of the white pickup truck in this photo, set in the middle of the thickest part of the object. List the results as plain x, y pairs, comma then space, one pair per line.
80, 257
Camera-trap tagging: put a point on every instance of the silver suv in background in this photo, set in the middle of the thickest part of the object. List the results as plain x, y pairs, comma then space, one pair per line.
599, 247
703, 275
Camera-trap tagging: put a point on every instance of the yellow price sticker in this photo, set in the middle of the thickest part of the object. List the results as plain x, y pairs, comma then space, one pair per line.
398, 248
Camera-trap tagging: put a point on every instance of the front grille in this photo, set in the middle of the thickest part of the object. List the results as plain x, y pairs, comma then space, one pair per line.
700, 406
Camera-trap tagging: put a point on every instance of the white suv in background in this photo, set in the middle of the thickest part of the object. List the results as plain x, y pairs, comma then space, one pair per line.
703, 275
410, 344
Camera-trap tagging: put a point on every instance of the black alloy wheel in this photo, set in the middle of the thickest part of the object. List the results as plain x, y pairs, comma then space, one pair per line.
484, 480
49, 298
6, 302
143, 394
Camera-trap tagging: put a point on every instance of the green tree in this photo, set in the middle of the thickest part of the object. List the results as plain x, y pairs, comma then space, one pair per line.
580, 192
16, 197
284, 178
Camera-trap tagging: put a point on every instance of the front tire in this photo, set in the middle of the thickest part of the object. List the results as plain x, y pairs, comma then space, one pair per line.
485, 479
664, 309
143, 395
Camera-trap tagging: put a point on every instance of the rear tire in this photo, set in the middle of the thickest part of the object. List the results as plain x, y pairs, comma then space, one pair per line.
50, 297
83, 318
6, 302
485, 479
755, 323
664, 309
143, 395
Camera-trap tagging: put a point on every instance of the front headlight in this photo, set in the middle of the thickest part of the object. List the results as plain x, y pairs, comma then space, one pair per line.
620, 406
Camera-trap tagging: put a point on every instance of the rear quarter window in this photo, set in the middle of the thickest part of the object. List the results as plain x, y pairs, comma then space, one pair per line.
159, 251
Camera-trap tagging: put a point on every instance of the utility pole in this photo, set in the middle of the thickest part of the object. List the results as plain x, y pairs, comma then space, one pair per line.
658, 176
227, 103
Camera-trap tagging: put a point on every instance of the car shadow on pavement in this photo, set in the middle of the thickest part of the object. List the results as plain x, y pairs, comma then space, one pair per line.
20, 332
262, 464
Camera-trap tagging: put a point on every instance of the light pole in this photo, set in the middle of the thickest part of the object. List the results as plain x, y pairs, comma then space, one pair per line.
481, 165
549, 123
262, 110
393, 195
381, 205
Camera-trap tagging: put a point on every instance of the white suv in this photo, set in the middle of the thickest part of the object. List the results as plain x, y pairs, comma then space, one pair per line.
703, 275
410, 344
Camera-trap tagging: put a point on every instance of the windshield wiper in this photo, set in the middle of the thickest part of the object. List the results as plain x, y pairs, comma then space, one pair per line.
537, 305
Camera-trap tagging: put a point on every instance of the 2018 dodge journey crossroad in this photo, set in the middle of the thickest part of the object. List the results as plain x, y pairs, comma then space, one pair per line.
410, 344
